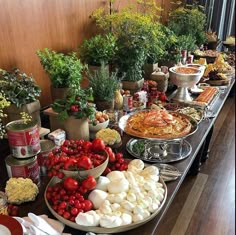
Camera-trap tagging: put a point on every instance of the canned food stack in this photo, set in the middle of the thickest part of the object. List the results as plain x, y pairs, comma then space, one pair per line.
24, 142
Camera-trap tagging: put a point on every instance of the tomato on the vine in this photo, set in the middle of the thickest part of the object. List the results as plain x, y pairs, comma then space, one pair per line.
110, 153
98, 145
89, 183
70, 184
84, 162
87, 146
88, 205
71, 162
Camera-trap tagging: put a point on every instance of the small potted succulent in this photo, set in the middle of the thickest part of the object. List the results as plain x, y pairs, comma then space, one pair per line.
64, 71
22, 92
98, 49
104, 86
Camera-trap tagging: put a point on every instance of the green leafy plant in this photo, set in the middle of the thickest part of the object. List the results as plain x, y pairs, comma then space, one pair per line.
98, 49
64, 70
134, 33
18, 88
189, 21
103, 84
171, 45
75, 104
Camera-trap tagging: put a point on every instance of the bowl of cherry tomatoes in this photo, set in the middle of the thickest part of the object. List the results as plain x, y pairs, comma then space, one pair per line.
101, 121
78, 158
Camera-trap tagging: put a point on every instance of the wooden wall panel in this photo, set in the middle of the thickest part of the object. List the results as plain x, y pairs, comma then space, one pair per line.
28, 25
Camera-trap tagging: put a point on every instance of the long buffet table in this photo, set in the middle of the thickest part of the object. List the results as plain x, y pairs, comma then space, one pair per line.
199, 142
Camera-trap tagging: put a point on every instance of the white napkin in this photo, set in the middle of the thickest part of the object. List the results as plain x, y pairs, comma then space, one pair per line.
41, 225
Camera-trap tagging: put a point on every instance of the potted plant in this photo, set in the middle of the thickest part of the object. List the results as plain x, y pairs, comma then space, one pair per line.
104, 86
98, 49
189, 21
72, 113
64, 71
132, 30
156, 50
22, 92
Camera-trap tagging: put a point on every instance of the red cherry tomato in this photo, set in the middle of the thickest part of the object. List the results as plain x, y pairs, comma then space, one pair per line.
88, 205
84, 162
112, 157
87, 146
89, 183
98, 145
70, 184
71, 162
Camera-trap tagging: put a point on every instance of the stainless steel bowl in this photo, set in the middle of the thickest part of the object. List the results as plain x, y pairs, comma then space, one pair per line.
183, 82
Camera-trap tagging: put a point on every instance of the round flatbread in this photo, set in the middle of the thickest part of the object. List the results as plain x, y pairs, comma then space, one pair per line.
158, 124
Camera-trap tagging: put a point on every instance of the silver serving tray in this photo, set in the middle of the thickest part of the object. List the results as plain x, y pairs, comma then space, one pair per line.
123, 120
175, 150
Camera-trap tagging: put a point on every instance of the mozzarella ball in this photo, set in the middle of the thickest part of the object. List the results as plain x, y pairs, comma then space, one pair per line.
126, 219
137, 163
108, 221
97, 197
102, 183
118, 186
115, 175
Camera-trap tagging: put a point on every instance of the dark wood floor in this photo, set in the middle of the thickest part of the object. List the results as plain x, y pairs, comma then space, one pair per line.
214, 213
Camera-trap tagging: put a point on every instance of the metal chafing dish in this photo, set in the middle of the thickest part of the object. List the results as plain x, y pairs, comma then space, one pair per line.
184, 82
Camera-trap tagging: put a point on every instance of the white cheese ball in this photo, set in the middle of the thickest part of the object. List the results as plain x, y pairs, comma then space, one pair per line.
97, 197
150, 170
131, 197
137, 163
137, 218
115, 207
102, 183
115, 175
126, 219
108, 221
118, 186
129, 206
90, 218
119, 197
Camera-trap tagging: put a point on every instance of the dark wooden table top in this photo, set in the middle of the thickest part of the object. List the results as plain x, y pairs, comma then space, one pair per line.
39, 207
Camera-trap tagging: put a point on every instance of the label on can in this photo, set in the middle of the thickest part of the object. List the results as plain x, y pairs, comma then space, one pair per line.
24, 143
28, 168
127, 103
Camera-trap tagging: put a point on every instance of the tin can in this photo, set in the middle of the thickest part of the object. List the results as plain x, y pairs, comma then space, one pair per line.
46, 147
127, 103
23, 138
26, 168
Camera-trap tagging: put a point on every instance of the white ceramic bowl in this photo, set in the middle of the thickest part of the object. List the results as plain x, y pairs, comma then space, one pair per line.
99, 126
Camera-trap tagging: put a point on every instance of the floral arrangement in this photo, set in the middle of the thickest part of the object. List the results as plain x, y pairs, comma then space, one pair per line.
3, 104
18, 87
